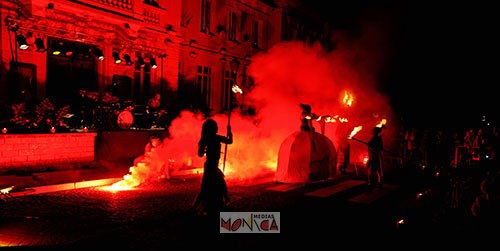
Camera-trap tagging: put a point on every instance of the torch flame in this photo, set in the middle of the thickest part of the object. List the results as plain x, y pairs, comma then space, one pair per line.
127, 183
329, 119
348, 99
236, 89
354, 131
342, 120
326, 119
6, 190
382, 123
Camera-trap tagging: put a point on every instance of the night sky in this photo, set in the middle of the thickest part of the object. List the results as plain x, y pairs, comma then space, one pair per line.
441, 67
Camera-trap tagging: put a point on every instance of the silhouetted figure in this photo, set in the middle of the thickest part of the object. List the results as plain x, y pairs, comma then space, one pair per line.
213, 195
306, 118
345, 148
374, 164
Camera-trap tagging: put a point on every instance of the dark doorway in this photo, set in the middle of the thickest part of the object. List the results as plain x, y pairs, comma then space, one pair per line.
71, 71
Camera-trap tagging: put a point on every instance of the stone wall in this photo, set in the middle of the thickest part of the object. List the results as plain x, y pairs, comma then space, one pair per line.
46, 150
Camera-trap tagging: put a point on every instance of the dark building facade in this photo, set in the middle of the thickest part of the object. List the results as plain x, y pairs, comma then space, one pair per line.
190, 51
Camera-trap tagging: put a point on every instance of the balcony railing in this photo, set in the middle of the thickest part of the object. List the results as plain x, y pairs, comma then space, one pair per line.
148, 11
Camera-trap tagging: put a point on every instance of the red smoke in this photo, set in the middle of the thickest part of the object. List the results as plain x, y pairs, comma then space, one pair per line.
285, 76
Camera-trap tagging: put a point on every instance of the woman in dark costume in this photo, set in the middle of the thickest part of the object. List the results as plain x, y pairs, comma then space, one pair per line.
213, 195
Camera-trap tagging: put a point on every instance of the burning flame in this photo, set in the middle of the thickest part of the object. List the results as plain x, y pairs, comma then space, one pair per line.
342, 120
354, 131
382, 123
330, 119
326, 118
129, 180
6, 190
237, 89
348, 99
365, 160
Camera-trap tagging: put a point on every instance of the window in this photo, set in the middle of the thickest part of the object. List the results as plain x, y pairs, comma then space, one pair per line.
233, 26
152, 2
255, 34
204, 84
205, 15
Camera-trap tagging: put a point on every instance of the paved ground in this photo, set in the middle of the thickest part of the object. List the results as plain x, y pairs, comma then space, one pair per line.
158, 216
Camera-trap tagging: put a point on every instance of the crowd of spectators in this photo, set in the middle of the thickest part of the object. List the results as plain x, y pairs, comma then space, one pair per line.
469, 159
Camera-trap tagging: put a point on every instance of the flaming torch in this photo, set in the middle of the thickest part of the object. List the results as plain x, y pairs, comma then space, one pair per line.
382, 123
235, 65
348, 99
354, 131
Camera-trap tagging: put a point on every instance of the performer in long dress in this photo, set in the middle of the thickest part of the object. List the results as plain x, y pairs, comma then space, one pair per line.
213, 196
